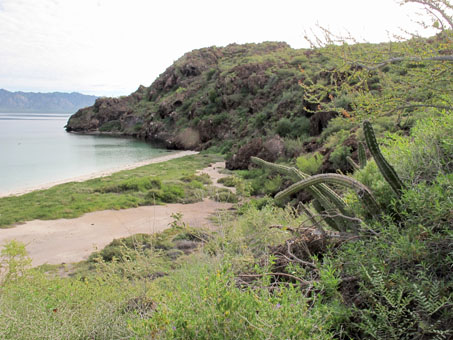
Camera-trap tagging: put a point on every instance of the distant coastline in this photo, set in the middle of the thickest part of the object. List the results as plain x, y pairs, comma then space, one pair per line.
38, 102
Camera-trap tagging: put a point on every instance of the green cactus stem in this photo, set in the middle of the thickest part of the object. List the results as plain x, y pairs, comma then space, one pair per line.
362, 155
362, 191
320, 192
297, 175
312, 218
354, 165
385, 168
325, 216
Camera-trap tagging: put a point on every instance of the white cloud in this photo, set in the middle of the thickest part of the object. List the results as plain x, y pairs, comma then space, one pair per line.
111, 46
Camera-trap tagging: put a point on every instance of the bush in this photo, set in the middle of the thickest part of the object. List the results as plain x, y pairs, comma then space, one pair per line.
284, 127
225, 195
168, 193
133, 184
260, 119
309, 163
428, 153
227, 181
111, 126
338, 157
300, 127
293, 147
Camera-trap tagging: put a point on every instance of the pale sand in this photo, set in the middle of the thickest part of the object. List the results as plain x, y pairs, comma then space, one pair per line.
213, 172
73, 240
100, 173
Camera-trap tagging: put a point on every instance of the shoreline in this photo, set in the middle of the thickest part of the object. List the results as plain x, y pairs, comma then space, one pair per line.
98, 174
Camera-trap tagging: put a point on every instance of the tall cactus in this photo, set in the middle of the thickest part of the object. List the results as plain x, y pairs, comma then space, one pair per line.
363, 192
354, 165
385, 168
326, 197
362, 155
297, 175
325, 214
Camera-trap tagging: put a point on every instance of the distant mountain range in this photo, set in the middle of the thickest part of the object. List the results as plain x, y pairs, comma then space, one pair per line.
43, 102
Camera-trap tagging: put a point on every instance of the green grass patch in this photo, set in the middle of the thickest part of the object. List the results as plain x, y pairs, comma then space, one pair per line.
151, 184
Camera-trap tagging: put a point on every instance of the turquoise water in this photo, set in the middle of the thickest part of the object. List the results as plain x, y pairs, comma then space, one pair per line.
35, 149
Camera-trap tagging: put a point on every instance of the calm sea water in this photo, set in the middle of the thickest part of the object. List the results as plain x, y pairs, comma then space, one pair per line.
35, 149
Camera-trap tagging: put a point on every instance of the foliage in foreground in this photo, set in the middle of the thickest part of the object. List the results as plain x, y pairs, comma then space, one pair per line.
393, 283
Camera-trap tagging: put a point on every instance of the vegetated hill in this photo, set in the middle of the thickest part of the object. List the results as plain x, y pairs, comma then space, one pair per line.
43, 102
209, 97
270, 100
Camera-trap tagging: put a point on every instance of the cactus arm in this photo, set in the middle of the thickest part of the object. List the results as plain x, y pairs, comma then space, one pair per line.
321, 192
299, 175
362, 155
351, 162
337, 222
322, 212
312, 218
386, 169
292, 172
363, 192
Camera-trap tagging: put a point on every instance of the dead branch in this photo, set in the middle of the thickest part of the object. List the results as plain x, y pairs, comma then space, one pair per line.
310, 264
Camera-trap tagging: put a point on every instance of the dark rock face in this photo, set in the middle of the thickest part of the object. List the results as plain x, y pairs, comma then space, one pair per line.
319, 121
269, 150
211, 96
105, 110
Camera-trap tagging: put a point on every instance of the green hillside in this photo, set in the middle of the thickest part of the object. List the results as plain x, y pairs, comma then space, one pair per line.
341, 228
275, 101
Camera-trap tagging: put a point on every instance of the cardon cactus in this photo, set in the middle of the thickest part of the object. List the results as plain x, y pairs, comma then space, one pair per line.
385, 168
328, 199
362, 155
362, 191
354, 165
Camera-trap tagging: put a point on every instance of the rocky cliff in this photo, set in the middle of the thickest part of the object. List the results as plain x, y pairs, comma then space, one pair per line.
225, 97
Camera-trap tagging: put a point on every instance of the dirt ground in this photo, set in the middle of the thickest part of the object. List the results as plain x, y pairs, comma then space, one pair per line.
73, 240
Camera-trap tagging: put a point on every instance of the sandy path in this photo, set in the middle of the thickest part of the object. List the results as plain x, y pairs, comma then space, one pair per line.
73, 240
213, 172
100, 173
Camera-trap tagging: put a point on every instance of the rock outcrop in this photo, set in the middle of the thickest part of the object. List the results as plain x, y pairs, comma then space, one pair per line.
223, 97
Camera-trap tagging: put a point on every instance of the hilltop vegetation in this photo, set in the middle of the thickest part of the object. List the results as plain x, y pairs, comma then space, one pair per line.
272, 101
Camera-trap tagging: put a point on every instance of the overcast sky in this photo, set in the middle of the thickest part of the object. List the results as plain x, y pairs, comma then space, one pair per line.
110, 47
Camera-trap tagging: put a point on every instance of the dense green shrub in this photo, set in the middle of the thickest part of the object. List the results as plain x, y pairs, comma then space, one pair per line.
338, 157
260, 119
309, 163
168, 193
284, 127
133, 184
300, 128
227, 181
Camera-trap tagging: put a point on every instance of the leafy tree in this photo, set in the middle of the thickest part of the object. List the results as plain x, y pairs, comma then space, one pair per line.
393, 78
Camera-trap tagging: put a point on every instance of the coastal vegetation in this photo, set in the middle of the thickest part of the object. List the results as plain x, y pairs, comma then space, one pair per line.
343, 225
172, 182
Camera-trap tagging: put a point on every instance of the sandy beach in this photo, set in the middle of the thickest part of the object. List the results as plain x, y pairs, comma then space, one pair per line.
99, 174
73, 240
